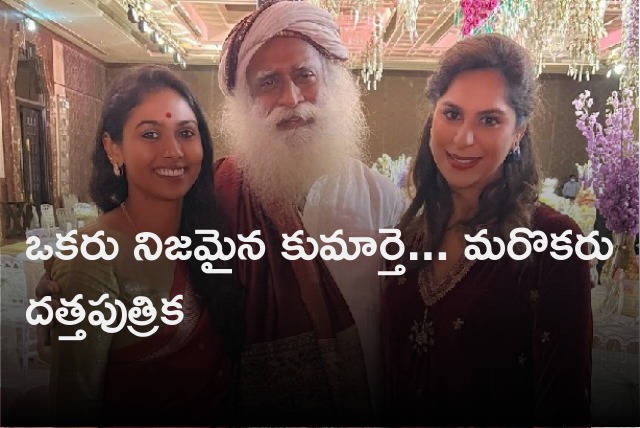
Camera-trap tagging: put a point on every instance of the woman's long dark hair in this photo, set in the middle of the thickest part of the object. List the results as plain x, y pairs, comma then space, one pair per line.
221, 293
507, 202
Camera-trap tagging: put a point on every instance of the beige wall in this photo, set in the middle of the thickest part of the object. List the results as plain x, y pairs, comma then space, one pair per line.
398, 109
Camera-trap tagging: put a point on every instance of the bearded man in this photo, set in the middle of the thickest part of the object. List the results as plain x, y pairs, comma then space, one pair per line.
296, 128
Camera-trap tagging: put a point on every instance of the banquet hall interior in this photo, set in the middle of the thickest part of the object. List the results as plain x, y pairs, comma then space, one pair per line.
58, 57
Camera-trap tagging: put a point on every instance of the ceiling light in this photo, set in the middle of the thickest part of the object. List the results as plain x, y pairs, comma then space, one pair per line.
212, 46
143, 26
156, 38
146, 6
30, 24
177, 58
132, 14
619, 68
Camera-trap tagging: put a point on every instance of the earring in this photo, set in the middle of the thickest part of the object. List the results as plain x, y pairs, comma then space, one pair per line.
117, 171
513, 156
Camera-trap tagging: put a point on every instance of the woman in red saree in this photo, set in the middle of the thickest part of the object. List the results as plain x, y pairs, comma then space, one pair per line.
152, 173
484, 342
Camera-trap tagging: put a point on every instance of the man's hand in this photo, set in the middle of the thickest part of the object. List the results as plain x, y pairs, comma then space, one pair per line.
46, 287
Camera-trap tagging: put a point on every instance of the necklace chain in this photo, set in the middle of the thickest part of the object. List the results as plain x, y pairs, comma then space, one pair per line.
129, 219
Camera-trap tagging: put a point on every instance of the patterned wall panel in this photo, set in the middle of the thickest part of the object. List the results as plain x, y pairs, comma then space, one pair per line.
84, 113
85, 82
83, 74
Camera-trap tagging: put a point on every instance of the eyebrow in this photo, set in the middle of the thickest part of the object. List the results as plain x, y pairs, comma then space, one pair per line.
488, 111
156, 123
263, 74
260, 75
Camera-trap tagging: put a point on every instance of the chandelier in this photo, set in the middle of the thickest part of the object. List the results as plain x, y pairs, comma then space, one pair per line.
371, 59
584, 30
550, 30
376, 14
409, 9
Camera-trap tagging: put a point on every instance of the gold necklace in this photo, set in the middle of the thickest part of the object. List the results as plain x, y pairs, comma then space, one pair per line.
129, 219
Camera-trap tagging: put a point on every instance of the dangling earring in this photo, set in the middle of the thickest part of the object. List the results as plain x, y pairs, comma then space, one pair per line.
514, 155
117, 170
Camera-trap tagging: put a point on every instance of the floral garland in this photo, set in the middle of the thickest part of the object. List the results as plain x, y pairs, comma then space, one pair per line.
613, 152
397, 171
476, 13
630, 45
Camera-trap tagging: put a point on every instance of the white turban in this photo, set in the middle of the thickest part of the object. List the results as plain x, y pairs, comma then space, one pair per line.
311, 23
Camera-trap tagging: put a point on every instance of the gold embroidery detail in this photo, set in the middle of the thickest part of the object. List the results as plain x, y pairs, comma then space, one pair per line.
457, 324
522, 359
432, 292
303, 374
533, 295
422, 333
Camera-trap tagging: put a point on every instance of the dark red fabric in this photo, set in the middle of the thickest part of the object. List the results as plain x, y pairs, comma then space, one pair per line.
188, 384
302, 361
521, 357
283, 298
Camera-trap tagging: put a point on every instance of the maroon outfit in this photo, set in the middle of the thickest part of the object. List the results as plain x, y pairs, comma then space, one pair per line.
302, 360
177, 375
503, 342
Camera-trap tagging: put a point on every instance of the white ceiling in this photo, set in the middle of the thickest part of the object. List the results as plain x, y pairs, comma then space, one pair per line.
200, 26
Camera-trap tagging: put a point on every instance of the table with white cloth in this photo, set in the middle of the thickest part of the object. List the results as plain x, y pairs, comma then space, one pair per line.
615, 399
19, 277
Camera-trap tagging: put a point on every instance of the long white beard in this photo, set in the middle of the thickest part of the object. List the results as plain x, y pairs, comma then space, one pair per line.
280, 166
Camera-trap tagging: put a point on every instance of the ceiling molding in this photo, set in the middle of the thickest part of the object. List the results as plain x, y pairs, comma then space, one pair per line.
102, 28
56, 27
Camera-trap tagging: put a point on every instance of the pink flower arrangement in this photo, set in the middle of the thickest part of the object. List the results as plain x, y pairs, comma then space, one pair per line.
475, 13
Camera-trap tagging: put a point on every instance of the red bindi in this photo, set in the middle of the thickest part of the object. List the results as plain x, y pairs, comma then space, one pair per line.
168, 115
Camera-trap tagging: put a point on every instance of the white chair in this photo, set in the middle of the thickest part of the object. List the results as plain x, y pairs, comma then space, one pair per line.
66, 219
85, 213
13, 289
35, 221
43, 233
68, 201
14, 302
33, 271
47, 218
